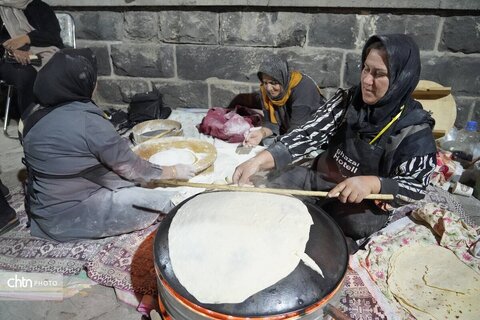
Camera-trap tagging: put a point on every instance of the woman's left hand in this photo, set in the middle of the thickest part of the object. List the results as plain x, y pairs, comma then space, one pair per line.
22, 57
15, 43
355, 189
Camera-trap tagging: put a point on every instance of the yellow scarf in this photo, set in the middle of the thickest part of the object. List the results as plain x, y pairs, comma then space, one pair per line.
269, 105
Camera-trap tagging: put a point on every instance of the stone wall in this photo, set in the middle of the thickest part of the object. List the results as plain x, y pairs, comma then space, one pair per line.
203, 56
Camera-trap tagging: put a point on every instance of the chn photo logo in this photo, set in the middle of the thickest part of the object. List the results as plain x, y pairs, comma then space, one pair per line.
31, 286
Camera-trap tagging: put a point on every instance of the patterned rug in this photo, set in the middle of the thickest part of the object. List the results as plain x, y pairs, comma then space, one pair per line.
126, 262
19, 251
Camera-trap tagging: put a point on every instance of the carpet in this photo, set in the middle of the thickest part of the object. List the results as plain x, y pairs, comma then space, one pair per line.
21, 252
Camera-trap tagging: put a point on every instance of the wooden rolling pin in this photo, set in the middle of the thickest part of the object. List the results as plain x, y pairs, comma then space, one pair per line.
176, 183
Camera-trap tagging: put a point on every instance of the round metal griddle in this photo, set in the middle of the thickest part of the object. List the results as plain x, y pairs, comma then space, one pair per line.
301, 289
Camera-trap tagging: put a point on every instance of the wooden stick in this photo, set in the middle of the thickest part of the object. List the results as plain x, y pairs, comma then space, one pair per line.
176, 183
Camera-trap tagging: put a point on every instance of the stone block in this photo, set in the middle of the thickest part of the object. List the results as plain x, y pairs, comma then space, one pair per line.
142, 60
189, 27
461, 34
103, 60
98, 25
193, 94
203, 62
333, 30
277, 29
322, 66
141, 26
222, 94
119, 91
351, 76
422, 28
460, 73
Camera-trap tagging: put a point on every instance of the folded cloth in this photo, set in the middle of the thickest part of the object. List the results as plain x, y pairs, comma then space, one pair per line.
229, 125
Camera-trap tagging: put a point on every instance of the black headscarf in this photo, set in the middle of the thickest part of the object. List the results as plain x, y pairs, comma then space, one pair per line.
404, 69
278, 69
70, 75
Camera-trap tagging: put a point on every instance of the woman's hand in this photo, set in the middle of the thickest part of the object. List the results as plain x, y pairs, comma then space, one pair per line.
22, 57
262, 161
255, 136
15, 43
355, 189
178, 172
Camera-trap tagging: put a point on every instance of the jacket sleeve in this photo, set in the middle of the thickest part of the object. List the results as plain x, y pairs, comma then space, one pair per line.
410, 179
114, 151
267, 122
47, 29
311, 136
306, 99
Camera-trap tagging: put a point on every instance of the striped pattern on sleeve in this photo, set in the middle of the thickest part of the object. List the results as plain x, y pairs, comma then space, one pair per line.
413, 177
316, 133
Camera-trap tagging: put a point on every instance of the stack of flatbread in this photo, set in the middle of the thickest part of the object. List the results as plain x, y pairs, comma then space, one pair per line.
432, 283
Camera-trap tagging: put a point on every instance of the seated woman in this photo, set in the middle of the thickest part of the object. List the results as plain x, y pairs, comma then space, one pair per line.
30, 28
83, 176
289, 99
379, 140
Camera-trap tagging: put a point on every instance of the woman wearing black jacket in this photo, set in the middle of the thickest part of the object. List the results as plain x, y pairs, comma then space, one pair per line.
28, 28
288, 97
378, 139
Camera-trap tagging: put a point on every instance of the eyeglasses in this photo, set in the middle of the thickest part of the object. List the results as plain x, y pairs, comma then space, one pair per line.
374, 72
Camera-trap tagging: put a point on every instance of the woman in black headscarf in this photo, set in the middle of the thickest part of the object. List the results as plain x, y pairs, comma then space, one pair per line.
289, 98
83, 176
379, 140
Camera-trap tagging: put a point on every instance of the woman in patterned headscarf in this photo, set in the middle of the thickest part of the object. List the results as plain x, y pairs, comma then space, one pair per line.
30, 27
289, 98
378, 138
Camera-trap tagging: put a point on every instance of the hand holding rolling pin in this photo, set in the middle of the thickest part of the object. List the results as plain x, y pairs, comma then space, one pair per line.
355, 189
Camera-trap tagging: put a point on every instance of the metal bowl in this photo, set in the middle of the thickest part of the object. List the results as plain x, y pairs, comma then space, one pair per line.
148, 129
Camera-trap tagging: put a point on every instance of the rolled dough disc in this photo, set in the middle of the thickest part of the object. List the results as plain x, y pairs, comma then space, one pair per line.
172, 157
226, 246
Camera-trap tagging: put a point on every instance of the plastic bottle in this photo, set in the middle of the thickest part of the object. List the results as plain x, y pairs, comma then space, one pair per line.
466, 141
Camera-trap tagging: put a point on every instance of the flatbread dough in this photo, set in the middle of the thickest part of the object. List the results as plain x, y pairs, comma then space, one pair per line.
226, 246
432, 283
173, 156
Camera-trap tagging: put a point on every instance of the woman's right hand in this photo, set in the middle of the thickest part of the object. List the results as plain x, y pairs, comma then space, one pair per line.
178, 172
255, 135
262, 161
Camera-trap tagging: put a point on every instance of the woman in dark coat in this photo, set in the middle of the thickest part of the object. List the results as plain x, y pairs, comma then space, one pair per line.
289, 98
29, 28
378, 139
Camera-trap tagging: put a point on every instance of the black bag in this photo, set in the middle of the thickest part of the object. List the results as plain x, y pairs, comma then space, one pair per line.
147, 106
